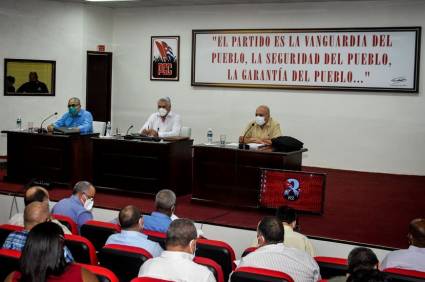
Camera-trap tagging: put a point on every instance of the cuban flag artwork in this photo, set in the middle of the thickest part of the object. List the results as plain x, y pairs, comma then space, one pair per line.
165, 58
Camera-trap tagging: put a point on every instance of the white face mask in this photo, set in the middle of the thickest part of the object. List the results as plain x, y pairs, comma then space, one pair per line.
260, 120
162, 112
88, 204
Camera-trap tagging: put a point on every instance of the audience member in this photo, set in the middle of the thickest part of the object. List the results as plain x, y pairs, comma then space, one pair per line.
412, 258
163, 123
35, 194
288, 216
176, 263
35, 213
160, 219
43, 258
273, 255
368, 275
79, 205
131, 222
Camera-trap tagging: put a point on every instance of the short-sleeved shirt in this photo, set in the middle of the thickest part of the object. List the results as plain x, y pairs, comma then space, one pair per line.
83, 120
268, 131
73, 208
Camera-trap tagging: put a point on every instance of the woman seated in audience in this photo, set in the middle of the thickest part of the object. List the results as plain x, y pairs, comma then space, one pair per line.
43, 258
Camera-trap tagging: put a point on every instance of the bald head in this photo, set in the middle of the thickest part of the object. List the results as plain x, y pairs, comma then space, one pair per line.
417, 232
129, 217
36, 194
35, 213
263, 111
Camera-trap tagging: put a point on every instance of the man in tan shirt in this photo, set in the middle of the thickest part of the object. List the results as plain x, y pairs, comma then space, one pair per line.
262, 129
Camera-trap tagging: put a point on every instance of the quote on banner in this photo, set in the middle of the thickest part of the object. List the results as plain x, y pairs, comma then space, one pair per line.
377, 59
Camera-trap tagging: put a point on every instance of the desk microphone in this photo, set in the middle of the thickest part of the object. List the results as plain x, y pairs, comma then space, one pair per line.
130, 127
242, 144
41, 130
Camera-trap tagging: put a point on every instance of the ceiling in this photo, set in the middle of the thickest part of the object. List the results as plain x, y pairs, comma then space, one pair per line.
167, 3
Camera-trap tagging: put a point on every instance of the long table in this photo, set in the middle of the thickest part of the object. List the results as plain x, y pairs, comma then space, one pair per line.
231, 176
62, 159
143, 167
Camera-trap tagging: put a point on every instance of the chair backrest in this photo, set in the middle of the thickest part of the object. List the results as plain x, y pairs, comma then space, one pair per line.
185, 131
155, 236
68, 222
99, 127
124, 261
9, 261
398, 274
219, 251
6, 229
149, 279
330, 266
103, 274
98, 232
248, 250
212, 266
81, 249
254, 274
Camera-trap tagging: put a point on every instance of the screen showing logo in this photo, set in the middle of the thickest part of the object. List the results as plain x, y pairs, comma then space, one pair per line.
291, 189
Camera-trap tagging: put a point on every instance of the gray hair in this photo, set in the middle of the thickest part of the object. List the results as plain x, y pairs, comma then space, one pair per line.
166, 100
165, 199
75, 99
81, 186
180, 232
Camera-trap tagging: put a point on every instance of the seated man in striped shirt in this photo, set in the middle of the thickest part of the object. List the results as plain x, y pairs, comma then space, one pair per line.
273, 255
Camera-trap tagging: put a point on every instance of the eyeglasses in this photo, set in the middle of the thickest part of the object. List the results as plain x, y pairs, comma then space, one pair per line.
89, 197
73, 105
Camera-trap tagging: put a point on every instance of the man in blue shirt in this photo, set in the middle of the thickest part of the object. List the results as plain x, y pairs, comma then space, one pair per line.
78, 207
160, 219
75, 118
131, 222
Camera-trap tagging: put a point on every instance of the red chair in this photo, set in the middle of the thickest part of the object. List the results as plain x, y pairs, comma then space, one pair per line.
398, 274
149, 279
155, 236
254, 274
81, 249
124, 261
213, 266
6, 229
102, 274
9, 261
219, 251
330, 266
248, 250
68, 222
98, 232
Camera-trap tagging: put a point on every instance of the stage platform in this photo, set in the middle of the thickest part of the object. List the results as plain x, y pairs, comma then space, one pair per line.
368, 208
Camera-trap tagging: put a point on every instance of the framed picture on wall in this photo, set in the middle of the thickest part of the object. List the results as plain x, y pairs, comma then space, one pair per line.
165, 58
29, 77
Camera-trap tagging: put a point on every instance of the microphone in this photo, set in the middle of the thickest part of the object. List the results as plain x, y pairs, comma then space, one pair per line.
130, 127
242, 145
41, 130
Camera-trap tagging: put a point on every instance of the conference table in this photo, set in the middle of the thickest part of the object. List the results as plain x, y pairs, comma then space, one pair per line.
142, 167
231, 176
47, 157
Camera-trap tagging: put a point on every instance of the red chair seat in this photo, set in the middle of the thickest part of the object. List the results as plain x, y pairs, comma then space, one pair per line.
254, 274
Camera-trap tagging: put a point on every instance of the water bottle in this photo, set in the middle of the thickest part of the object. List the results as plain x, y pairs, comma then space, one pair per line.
19, 123
108, 129
210, 136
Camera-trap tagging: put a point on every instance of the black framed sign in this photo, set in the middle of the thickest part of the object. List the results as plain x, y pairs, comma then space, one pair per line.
165, 57
29, 77
353, 59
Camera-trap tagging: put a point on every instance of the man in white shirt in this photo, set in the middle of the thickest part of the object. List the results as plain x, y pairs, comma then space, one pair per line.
412, 258
273, 255
176, 263
163, 123
289, 219
131, 222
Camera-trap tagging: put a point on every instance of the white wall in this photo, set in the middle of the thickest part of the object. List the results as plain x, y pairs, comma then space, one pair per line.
380, 132
48, 30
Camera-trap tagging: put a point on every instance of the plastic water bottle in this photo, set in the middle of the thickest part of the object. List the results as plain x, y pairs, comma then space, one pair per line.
209, 136
19, 123
108, 129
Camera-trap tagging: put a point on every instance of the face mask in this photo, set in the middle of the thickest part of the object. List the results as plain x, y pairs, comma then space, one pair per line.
162, 112
260, 120
88, 204
72, 111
